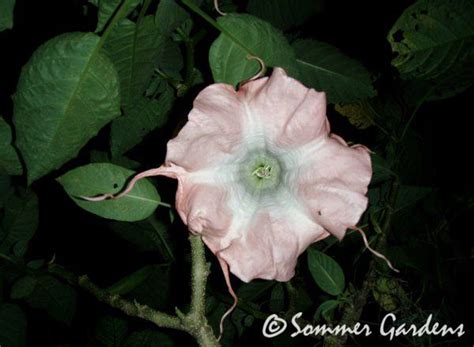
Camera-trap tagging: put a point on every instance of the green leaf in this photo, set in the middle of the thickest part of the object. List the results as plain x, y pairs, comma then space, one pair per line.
9, 162
130, 282
284, 14
147, 236
169, 16
324, 68
23, 288
326, 272
107, 9
67, 92
133, 48
148, 338
12, 326
56, 298
326, 310
170, 59
6, 14
433, 38
145, 116
110, 331
19, 222
95, 179
277, 298
242, 35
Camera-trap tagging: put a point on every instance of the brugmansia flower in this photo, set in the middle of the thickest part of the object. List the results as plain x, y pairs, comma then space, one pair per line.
261, 177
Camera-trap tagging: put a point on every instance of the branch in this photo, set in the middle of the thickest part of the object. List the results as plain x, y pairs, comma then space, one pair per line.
194, 323
134, 309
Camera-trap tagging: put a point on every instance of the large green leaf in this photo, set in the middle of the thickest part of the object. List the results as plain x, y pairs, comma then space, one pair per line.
245, 35
434, 39
47, 293
324, 68
9, 162
67, 92
145, 116
108, 7
110, 331
12, 326
94, 179
284, 14
19, 223
170, 59
133, 48
326, 272
6, 14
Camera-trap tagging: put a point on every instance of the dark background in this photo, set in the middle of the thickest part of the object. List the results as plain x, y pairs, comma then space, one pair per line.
84, 243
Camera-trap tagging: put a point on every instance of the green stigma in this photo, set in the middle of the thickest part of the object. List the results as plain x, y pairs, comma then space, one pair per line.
264, 171
260, 172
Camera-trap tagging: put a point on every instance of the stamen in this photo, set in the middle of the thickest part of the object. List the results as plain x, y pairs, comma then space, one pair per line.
263, 171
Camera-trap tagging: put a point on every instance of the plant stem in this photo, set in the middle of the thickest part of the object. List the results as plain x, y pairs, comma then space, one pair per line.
134, 309
194, 323
199, 273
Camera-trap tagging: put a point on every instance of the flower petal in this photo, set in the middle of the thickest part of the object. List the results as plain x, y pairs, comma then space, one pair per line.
284, 110
270, 244
213, 131
332, 183
204, 208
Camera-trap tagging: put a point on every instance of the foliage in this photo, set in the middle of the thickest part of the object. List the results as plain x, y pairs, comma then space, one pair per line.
90, 96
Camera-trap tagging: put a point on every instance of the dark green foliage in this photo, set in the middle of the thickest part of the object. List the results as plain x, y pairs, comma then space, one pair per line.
90, 94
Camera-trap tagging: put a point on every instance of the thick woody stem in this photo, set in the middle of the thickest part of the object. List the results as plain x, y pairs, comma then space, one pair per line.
194, 323
199, 273
134, 309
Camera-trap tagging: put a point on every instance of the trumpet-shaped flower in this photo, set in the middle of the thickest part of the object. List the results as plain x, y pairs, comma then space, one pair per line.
261, 177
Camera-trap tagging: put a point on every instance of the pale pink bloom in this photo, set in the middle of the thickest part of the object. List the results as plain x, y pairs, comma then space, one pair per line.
261, 178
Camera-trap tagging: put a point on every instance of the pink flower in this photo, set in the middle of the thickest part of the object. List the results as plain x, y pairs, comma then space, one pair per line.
260, 176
